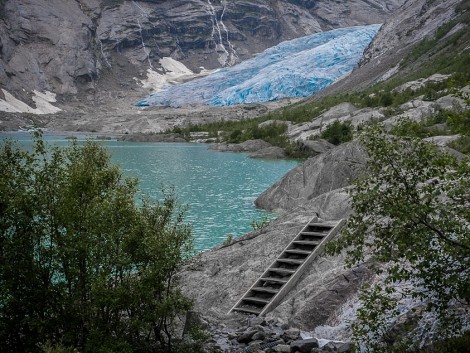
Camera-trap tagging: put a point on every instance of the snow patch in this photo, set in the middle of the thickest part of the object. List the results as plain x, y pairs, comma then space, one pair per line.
43, 103
173, 72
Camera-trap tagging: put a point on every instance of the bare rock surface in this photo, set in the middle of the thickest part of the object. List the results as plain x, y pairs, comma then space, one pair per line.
269, 153
216, 279
247, 146
315, 147
152, 138
88, 47
316, 176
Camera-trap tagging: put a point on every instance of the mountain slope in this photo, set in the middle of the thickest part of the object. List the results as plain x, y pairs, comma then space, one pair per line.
411, 41
85, 47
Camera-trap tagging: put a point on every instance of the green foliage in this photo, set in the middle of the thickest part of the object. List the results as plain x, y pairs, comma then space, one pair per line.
228, 240
259, 224
459, 123
82, 267
452, 122
338, 132
462, 144
459, 344
412, 214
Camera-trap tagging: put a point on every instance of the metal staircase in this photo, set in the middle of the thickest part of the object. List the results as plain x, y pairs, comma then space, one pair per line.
267, 292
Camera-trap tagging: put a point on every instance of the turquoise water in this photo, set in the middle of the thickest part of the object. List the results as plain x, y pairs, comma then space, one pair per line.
218, 187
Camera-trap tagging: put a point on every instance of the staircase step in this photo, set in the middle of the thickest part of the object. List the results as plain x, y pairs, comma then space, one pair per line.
265, 290
307, 242
291, 261
282, 275
273, 279
281, 270
257, 300
249, 310
321, 225
316, 234
297, 251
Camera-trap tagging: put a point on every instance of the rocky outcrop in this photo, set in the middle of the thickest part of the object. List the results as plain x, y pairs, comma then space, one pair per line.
152, 138
216, 279
318, 175
270, 336
414, 21
246, 146
269, 153
407, 26
315, 147
88, 47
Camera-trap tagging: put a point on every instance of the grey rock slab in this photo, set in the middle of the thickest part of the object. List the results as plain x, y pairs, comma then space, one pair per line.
442, 140
339, 111
315, 147
318, 175
417, 84
451, 102
247, 146
269, 153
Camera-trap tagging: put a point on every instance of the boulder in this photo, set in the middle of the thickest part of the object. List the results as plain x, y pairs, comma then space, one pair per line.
318, 175
304, 346
451, 102
139, 137
315, 147
415, 85
269, 153
246, 336
247, 146
442, 140
274, 122
339, 111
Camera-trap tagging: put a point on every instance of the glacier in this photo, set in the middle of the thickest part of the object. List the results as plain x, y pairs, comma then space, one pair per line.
295, 68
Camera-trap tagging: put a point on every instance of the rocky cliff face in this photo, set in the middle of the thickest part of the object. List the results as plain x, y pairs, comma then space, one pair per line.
408, 25
88, 46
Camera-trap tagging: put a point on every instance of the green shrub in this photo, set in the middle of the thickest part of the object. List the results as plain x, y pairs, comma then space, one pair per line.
83, 267
338, 132
462, 144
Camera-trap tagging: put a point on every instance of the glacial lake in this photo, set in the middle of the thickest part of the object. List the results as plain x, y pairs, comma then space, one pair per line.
219, 188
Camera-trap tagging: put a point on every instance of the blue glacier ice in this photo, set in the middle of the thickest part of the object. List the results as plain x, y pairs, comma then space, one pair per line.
295, 68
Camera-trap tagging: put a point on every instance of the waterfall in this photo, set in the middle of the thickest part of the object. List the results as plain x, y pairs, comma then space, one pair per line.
233, 52
226, 58
144, 47
102, 53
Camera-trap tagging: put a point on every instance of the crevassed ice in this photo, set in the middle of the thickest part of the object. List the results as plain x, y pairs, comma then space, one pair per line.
295, 68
